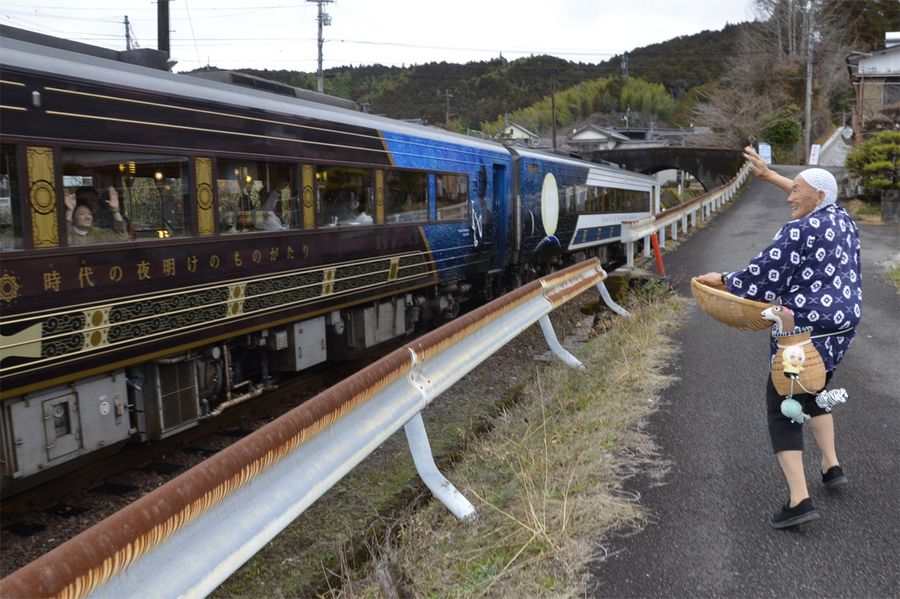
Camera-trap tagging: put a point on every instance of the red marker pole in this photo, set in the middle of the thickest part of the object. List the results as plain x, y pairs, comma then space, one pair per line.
654, 243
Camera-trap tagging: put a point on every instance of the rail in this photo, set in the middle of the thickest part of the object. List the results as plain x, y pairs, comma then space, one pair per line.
703, 206
186, 537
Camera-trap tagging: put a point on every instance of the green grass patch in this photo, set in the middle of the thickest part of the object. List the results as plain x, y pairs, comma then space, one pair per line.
894, 275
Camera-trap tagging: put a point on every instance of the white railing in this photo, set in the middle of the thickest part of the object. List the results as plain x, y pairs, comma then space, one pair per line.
702, 207
186, 537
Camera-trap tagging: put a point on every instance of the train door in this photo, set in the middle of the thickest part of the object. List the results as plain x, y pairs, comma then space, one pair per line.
500, 218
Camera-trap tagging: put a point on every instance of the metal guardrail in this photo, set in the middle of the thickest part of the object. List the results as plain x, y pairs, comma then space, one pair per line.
703, 206
186, 537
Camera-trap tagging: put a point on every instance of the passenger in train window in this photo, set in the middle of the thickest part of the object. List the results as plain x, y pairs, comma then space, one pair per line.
343, 208
11, 234
406, 197
81, 207
266, 217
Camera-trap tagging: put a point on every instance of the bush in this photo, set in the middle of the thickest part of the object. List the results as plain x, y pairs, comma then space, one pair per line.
785, 128
875, 162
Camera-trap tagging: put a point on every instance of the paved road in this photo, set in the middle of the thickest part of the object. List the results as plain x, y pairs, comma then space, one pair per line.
835, 154
710, 535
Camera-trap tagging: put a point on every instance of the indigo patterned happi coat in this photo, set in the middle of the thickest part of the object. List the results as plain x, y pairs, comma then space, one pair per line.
812, 266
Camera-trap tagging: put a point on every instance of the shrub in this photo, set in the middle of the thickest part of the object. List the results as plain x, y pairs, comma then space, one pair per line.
875, 162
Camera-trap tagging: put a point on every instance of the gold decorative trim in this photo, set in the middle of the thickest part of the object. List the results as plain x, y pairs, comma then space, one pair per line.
205, 215
96, 328
379, 197
236, 294
328, 281
395, 267
9, 287
42, 196
308, 181
387, 151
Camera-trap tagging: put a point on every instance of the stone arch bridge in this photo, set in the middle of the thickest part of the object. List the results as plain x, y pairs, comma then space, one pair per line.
711, 166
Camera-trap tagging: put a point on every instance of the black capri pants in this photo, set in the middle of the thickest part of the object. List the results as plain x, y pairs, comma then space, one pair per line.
786, 434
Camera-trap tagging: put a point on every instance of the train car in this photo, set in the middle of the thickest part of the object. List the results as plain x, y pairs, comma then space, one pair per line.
569, 209
171, 245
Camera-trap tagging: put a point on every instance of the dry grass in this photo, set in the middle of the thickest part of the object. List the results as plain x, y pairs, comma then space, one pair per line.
548, 480
863, 212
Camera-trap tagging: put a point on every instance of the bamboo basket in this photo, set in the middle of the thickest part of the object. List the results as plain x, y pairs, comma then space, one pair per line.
812, 377
737, 312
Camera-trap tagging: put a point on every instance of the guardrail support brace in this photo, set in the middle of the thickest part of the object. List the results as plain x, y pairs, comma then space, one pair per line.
608, 300
555, 346
440, 487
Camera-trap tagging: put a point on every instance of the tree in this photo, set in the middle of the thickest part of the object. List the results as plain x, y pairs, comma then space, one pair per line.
767, 75
876, 161
647, 97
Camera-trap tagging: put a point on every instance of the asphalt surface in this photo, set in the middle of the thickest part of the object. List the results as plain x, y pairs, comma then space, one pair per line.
709, 535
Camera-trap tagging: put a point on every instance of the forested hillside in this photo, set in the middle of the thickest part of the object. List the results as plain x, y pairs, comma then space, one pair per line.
483, 91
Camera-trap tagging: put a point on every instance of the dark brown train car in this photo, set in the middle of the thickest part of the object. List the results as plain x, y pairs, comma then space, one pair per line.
199, 289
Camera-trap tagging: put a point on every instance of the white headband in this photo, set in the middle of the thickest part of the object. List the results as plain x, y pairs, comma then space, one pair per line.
821, 180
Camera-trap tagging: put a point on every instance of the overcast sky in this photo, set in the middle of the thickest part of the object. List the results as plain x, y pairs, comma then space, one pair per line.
281, 34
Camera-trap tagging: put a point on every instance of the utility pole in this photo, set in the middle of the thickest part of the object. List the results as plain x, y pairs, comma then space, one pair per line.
625, 66
324, 20
447, 98
127, 34
553, 113
162, 27
809, 82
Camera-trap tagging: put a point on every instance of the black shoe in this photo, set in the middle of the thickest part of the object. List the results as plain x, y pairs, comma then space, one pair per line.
834, 478
792, 516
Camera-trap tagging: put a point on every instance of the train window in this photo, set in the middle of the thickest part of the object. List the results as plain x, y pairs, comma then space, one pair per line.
344, 196
10, 208
582, 199
115, 196
406, 197
257, 196
452, 197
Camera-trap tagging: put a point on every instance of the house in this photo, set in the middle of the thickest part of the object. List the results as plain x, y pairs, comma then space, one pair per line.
519, 134
592, 138
876, 79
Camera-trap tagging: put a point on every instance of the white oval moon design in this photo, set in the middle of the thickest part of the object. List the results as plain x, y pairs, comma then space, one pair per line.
550, 204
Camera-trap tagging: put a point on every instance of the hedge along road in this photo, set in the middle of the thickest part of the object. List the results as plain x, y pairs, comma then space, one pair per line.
710, 535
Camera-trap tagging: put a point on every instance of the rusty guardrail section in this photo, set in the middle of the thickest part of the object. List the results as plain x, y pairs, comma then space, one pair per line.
704, 205
184, 538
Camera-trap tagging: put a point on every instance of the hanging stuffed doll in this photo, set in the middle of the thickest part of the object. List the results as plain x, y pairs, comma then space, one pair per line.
797, 366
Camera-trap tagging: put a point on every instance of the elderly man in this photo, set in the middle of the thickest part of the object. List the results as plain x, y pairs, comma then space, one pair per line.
813, 268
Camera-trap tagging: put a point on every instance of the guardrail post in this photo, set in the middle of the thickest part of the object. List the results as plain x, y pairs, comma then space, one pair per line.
555, 346
629, 254
684, 223
662, 237
442, 489
675, 231
694, 219
608, 300
647, 246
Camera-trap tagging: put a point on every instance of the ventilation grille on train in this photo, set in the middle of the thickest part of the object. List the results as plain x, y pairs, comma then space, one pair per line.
8, 463
178, 397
